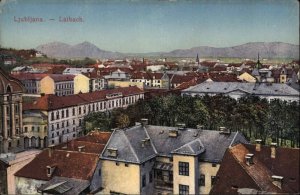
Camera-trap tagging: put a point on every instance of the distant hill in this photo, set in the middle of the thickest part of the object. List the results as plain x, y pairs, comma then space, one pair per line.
248, 50
81, 50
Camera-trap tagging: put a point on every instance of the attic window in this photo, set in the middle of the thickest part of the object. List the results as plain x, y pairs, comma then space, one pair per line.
225, 88
112, 152
173, 133
207, 88
8, 89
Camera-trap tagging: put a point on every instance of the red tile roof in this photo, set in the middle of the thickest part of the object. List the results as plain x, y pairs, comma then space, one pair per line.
28, 76
61, 77
52, 102
69, 162
234, 173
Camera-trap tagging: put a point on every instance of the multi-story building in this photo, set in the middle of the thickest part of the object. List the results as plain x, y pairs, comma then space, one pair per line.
237, 90
60, 85
154, 80
65, 114
147, 159
32, 82
11, 125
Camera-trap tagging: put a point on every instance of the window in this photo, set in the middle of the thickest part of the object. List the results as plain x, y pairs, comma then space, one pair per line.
99, 172
62, 114
183, 189
184, 168
73, 111
26, 129
202, 180
150, 177
213, 180
144, 181
32, 128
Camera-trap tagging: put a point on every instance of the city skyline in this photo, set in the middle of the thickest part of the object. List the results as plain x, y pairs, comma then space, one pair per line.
147, 26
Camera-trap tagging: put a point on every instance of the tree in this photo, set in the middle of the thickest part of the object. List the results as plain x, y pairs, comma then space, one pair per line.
123, 121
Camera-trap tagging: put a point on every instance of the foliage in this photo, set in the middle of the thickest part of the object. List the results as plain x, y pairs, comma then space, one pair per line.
256, 118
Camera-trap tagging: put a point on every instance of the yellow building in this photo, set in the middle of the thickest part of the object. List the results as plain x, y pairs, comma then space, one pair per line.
247, 77
81, 84
125, 84
58, 84
149, 159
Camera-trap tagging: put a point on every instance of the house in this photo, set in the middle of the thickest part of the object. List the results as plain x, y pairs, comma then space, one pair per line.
237, 90
58, 84
70, 168
76, 71
11, 125
113, 84
10, 163
154, 80
50, 68
64, 115
147, 159
257, 169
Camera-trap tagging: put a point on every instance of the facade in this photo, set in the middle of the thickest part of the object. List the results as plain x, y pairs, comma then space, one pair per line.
70, 168
35, 129
125, 84
11, 125
64, 115
60, 85
150, 80
257, 169
81, 84
147, 159
10, 163
237, 90
118, 75
32, 82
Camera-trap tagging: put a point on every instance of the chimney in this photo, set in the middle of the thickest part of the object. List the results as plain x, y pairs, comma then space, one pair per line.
277, 180
200, 127
273, 150
181, 126
144, 122
145, 142
50, 170
224, 130
258, 145
80, 148
249, 159
50, 150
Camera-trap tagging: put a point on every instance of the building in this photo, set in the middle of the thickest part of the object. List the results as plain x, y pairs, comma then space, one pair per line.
76, 71
257, 169
117, 75
64, 115
113, 84
71, 168
151, 80
11, 125
10, 163
32, 82
247, 77
147, 159
58, 84
35, 129
237, 90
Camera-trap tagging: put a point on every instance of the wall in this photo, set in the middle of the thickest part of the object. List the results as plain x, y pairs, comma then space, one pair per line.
126, 84
192, 179
47, 85
146, 168
96, 180
81, 84
121, 179
208, 170
27, 186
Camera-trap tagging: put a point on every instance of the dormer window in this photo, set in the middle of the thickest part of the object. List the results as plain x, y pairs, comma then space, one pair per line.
173, 133
112, 152
50, 170
249, 159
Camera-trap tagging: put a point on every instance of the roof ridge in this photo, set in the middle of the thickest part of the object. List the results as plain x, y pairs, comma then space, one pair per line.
150, 141
233, 139
131, 148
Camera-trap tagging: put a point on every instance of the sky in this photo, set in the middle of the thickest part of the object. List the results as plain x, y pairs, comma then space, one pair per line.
138, 26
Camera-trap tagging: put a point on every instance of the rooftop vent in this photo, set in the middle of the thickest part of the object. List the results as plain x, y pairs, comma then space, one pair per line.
249, 159
80, 148
273, 150
224, 130
145, 142
277, 180
173, 133
200, 127
181, 126
112, 152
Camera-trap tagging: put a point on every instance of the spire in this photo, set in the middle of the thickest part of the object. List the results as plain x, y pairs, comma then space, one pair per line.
258, 58
197, 59
258, 64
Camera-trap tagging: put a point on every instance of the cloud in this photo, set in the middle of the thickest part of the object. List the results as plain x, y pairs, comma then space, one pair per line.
3, 4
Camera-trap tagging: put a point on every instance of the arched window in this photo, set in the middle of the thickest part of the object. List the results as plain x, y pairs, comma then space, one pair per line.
8, 89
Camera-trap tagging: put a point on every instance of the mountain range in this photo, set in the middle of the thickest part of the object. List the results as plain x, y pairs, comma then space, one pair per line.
248, 50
